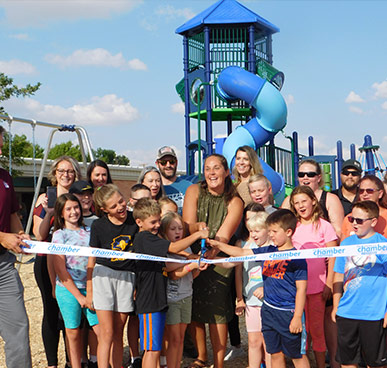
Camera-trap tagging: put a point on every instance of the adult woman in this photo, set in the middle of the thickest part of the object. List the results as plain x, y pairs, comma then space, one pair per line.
214, 203
151, 177
63, 172
246, 165
309, 174
98, 173
371, 188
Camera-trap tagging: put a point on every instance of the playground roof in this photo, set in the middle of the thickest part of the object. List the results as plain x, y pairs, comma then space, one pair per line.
226, 12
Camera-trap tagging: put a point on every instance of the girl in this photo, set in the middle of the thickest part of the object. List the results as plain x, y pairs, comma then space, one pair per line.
314, 232
260, 192
167, 205
179, 292
71, 273
251, 284
110, 282
246, 164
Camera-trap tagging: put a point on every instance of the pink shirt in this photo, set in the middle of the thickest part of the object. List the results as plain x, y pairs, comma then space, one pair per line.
308, 236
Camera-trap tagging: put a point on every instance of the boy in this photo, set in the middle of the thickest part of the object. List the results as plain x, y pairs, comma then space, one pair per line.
284, 285
360, 294
261, 192
84, 192
138, 191
151, 282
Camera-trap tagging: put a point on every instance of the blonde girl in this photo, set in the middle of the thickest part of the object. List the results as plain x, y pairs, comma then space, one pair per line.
314, 232
71, 273
110, 283
179, 291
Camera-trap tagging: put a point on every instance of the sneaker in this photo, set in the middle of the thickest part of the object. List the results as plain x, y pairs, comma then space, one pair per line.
137, 363
234, 352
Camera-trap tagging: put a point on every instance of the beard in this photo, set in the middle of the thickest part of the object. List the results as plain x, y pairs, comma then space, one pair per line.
168, 176
350, 187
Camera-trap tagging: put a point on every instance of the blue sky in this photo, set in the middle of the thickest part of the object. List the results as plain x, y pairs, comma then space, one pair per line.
111, 66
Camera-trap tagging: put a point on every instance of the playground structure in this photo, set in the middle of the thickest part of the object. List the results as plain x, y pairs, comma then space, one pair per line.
225, 35
229, 77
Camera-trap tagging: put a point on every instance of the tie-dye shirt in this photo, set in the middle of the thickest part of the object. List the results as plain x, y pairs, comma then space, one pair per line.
76, 265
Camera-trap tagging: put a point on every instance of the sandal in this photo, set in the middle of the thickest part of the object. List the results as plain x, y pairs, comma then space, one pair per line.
198, 363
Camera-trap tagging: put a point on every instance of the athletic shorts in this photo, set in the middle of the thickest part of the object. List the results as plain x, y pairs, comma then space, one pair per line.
253, 318
278, 338
179, 312
113, 289
314, 320
151, 330
71, 310
358, 338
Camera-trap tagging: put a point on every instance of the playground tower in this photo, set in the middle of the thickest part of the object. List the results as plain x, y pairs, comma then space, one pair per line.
226, 34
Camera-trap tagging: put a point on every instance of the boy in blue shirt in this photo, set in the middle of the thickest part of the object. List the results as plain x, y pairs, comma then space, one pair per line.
151, 280
360, 294
284, 285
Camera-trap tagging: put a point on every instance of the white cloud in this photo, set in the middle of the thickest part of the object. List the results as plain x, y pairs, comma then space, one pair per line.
13, 67
353, 98
170, 12
178, 108
356, 110
381, 89
106, 110
36, 13
95, 57
290, 99
384, 105
20, 36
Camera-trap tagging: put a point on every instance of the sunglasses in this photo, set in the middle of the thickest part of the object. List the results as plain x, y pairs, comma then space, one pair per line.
368, 191
309, 174
353, 173
358, 221
172, 161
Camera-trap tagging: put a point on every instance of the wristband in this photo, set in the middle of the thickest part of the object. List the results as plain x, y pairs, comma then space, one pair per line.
187, 268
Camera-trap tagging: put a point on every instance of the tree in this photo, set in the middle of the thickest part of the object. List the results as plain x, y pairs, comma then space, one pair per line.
20, 148
66, 148
8, 90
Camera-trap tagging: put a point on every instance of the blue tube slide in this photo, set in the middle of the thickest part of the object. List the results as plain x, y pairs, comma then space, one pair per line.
236, 83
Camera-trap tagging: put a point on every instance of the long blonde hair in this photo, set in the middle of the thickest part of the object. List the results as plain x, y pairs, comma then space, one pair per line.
101, 195
166, 221
256, 167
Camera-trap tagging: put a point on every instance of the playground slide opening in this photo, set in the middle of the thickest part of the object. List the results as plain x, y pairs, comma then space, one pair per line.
271, 113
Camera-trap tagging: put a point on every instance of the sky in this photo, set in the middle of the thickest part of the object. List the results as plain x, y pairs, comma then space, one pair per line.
112, 66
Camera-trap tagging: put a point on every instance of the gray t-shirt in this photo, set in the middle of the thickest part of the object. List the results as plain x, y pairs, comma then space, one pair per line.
180, 288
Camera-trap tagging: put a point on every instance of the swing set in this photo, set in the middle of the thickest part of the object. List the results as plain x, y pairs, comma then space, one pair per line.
83, 140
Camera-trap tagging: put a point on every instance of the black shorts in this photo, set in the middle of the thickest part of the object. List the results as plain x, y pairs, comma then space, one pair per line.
358, 338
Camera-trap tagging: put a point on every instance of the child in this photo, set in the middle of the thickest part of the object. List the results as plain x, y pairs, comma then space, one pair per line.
71, 271
260, 192
360, 294
167, 205
151, 298
110, 280
314, 232
252, 287
284, 284
138, 191
84, 192
179, 291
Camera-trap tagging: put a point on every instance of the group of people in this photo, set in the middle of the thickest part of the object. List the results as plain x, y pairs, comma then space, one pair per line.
335, 306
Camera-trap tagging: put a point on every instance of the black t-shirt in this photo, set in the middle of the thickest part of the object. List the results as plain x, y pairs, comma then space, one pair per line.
347, 205
151, 282
106, 235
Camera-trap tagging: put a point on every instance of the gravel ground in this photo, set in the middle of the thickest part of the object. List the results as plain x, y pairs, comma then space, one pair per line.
34, 310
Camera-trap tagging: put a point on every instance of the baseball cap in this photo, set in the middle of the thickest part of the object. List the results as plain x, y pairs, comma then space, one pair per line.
80, 187
354, 164
166, 151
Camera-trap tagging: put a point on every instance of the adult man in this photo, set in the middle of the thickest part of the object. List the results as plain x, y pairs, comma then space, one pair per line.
350, 177
174, 186
14, 327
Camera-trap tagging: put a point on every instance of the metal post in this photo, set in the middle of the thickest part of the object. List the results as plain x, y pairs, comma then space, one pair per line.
339, 160
311, 146
189, 170
367, 147
296, 159
207, 74
352, 149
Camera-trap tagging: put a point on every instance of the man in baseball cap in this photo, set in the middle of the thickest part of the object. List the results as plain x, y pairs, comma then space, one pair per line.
174, 186
350, 177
